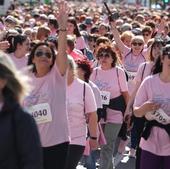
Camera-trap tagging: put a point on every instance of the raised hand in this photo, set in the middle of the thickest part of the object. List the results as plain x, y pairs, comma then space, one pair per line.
63, 14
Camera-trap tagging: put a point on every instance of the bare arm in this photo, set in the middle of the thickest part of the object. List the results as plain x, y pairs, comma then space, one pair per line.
117, 39
61, 59
131, 100
92, 125
146, 107
126, 96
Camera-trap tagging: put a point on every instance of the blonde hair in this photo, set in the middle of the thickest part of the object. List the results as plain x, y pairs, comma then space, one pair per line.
16, 87
126, 34
43, 32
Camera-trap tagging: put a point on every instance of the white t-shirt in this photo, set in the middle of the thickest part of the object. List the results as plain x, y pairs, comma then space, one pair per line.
50, 90
76, 114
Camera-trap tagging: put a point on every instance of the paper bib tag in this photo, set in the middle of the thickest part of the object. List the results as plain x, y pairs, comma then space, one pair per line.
105, 97
131, 75
41, 113
158, 115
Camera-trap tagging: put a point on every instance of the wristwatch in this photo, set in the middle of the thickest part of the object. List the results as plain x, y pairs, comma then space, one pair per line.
93, 138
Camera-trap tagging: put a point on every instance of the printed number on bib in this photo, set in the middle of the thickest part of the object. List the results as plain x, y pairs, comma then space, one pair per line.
131, 75
158, 115
105, 97
41, 113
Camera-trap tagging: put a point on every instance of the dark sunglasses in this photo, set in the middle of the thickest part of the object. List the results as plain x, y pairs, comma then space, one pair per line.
145, 34
137, 43
103, 55
41, 53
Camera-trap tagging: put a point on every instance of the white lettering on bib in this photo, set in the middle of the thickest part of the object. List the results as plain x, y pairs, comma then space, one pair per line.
41, 113
158, 115
105, 95
131, 75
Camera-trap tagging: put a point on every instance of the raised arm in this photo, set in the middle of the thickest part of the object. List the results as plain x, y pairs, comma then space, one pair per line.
117, 39
61, 59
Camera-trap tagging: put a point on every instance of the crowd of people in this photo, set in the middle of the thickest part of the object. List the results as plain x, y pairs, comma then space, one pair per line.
75, 80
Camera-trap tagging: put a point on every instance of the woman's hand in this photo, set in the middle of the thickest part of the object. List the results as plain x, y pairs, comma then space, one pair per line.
62, 16
146, 107
4, 45
149, 106
93, 144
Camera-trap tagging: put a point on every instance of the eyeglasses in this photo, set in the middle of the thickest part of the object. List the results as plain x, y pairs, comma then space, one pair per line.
137, 43
41, 53
103, 55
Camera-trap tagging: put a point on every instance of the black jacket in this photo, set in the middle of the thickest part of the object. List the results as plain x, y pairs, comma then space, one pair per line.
20, 146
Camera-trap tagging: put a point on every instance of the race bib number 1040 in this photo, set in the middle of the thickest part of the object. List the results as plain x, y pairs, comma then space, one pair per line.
41, 113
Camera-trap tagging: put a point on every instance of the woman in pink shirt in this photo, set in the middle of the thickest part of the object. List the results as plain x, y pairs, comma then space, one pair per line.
18, 49
153, 102
81, 113
144, 70
72, 29
47, 101
111, 81
132, 56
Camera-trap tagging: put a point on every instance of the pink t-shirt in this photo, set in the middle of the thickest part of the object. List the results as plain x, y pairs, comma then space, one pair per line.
131, 64
153, 89
144, 70
51, 90
20, 63
97, 95
76, 55
107, 80
80, 43
76, 114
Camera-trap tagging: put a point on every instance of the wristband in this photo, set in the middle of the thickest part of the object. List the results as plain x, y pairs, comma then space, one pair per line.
93, 138
62, 30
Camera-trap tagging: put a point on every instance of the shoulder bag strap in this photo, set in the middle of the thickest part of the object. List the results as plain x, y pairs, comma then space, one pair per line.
143, 71
84, 92
84, 100
118, 78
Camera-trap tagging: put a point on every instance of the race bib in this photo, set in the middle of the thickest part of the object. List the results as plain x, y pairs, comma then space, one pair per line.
105, 97
131, 75
41, 113
158, 115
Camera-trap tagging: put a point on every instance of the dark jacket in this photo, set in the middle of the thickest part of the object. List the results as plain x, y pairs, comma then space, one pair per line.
20, 146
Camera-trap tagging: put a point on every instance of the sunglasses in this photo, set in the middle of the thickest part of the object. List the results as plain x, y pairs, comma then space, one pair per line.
145, 34
137, 43
41, 53
103, 55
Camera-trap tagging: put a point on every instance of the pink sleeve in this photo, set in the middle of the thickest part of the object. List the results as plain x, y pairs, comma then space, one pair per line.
93, 75
122, 80
55, 74
142, 93
80, 43
126, 50
138, 77
145, 52
90, 103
